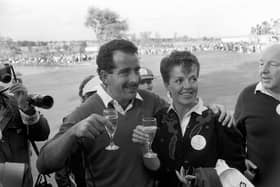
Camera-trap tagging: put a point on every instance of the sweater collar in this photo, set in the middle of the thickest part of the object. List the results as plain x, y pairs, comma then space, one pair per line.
198, 108
107, 99
260, 88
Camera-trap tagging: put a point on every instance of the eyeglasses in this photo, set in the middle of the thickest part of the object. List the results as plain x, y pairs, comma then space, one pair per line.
146, 81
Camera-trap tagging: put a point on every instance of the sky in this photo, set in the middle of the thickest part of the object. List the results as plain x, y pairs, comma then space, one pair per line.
45, 20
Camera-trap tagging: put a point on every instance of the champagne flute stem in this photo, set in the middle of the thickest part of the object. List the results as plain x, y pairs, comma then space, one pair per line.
149, 147
111, 142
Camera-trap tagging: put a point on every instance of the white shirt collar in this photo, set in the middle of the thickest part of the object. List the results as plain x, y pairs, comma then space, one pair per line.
198, 108
261, 89
106, 98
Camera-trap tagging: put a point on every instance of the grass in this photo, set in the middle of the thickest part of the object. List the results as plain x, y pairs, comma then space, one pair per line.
223, 76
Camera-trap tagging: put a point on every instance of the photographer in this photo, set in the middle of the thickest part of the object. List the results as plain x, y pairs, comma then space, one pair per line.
19, 123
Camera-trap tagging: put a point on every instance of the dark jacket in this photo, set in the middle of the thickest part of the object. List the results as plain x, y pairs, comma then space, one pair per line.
14, 146
176, 150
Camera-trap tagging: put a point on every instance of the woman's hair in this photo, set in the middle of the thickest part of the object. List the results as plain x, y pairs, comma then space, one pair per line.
177, 58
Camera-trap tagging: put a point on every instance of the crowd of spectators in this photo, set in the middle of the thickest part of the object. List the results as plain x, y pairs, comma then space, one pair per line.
150, 48
50, 59
239, 47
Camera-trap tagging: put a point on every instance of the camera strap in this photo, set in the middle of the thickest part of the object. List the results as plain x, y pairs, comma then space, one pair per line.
41, 178
35, 148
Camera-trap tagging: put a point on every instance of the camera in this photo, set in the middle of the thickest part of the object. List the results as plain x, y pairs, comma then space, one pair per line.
5, 73
42, 101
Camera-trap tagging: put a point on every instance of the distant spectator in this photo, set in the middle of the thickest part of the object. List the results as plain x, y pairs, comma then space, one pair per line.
146, 79
88, 86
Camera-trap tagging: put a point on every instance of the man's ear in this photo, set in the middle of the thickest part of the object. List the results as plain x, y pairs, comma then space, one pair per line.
103, 75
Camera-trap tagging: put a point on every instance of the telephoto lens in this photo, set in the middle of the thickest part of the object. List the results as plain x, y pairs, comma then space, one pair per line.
41, 101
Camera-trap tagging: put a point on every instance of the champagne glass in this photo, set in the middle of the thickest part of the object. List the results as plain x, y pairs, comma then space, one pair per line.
112, 116
150, 127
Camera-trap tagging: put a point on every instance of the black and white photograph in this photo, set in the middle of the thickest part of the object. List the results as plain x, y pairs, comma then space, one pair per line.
150, 93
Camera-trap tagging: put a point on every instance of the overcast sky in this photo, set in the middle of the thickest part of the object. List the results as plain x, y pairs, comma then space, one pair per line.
64, 19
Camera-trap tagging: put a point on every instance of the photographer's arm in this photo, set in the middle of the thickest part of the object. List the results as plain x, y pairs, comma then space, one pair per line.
36, 125
39, 131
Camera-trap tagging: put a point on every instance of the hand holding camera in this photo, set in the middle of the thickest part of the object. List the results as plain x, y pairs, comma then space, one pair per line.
21, 95
25, 101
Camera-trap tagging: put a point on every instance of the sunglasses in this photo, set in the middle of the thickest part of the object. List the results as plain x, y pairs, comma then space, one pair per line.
146, 81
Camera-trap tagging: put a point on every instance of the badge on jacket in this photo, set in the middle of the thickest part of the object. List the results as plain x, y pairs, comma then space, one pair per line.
278, 109
198, 142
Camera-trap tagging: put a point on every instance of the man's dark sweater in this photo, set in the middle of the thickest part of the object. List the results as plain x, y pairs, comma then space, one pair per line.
123, 167
258, 120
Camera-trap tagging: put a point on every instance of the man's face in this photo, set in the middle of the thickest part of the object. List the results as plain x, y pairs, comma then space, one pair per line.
122, 83
269, 69
183, 85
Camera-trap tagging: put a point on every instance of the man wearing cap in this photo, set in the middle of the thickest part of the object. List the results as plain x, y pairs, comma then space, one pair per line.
146, 79
257, 115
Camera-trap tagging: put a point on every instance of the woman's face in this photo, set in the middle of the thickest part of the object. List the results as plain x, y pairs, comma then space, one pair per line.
183, 85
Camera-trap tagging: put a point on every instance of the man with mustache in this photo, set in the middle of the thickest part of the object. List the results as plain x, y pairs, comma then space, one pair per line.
257, 115
118, 69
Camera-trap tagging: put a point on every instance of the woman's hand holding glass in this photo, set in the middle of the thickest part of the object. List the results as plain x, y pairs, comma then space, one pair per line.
144, 134
140, 136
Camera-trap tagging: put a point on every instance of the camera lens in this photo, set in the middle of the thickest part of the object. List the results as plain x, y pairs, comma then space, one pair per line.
6, 78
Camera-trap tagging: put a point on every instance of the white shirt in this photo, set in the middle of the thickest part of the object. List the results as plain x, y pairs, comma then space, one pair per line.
106, 98
198, 108
261, 89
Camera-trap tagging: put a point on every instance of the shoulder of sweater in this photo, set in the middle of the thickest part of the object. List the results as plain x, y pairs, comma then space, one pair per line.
93, 101
93, 104
250, 88
163, 111
147, 95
